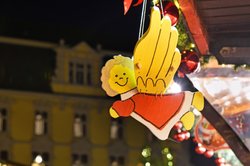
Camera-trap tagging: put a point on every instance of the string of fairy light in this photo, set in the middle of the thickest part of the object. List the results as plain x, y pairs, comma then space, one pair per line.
167, 157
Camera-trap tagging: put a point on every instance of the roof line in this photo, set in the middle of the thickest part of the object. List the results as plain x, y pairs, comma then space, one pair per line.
198, 32
27, 42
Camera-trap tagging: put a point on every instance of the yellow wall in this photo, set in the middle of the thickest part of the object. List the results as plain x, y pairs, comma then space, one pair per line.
22, 120
62, 124
134, 157
61, 155
99, 126
76, 89
138, 138
21, 153
100, 157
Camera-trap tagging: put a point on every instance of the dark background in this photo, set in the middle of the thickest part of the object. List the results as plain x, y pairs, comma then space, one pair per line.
96, 22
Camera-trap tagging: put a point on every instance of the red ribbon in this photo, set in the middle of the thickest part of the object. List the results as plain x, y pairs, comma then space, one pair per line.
127, 4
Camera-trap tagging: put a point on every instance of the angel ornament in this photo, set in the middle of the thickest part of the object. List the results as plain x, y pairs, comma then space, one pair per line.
142, 82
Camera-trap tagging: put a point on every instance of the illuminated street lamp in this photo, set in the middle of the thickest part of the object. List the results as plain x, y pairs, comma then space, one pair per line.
38, 161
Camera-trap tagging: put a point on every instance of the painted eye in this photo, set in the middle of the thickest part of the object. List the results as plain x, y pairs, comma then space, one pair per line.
124, 74
116, 75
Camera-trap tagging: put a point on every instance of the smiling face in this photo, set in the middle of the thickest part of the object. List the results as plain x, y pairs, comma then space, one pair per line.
122, 79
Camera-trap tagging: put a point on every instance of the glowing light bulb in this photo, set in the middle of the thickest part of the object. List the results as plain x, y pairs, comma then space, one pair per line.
215, 86
174, 88
147, 164
248, 96
235, 86
238, 100
227, 103
38, 159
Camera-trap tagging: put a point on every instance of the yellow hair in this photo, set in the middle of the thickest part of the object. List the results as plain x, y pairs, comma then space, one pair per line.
117, 60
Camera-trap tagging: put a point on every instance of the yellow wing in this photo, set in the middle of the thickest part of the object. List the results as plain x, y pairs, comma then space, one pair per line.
156, 57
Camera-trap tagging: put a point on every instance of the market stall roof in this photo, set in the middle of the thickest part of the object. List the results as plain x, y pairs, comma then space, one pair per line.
220, 28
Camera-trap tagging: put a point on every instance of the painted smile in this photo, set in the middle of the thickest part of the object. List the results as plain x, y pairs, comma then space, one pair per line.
122, 84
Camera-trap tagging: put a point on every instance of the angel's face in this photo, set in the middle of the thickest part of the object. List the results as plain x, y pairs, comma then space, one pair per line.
122, 79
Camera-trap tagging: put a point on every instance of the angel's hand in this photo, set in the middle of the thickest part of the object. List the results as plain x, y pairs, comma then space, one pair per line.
156, 57
113, 113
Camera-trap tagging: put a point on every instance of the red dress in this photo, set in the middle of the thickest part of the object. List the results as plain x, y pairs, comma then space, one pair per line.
157, 110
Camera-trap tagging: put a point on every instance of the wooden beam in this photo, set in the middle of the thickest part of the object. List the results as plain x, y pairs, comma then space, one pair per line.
213, 4
195, 26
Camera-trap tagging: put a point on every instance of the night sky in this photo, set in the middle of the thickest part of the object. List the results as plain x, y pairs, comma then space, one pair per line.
96, 22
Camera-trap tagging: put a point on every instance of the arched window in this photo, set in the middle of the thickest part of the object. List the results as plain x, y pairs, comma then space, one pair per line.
79, 160
116, 129
4, 155
80, 73
117, 161
80, 125
40, 123
3, 120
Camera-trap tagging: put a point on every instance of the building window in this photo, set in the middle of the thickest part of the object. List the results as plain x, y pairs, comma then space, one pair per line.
89, 74
4, 155
117, 161
40, 157
71, 72
80, 125
80, 73
41, 126
116, 129
80, 160
3, 120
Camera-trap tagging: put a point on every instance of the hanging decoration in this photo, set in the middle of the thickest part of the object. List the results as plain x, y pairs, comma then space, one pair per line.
127, 4
142, 82
206, 135
170, 10
189, 63
181, 134
209, 141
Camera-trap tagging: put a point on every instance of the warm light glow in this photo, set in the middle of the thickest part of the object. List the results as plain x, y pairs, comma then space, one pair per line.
155, 2
248, 96
174, 88
38, 159
147, 164
235, 86
238, 100
197, 83
170, 163
196, 112
227, 103
169, 156
192, 45
165, 151
215, 86
146, 152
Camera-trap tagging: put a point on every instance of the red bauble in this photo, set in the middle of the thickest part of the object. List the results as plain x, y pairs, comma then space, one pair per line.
194, 140
189, 62
220, 161
171, 11
179, 137
209, 153
187, 135
200, 149
178, 126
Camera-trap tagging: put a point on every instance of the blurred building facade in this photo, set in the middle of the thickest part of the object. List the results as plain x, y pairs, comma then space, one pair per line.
67, 123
